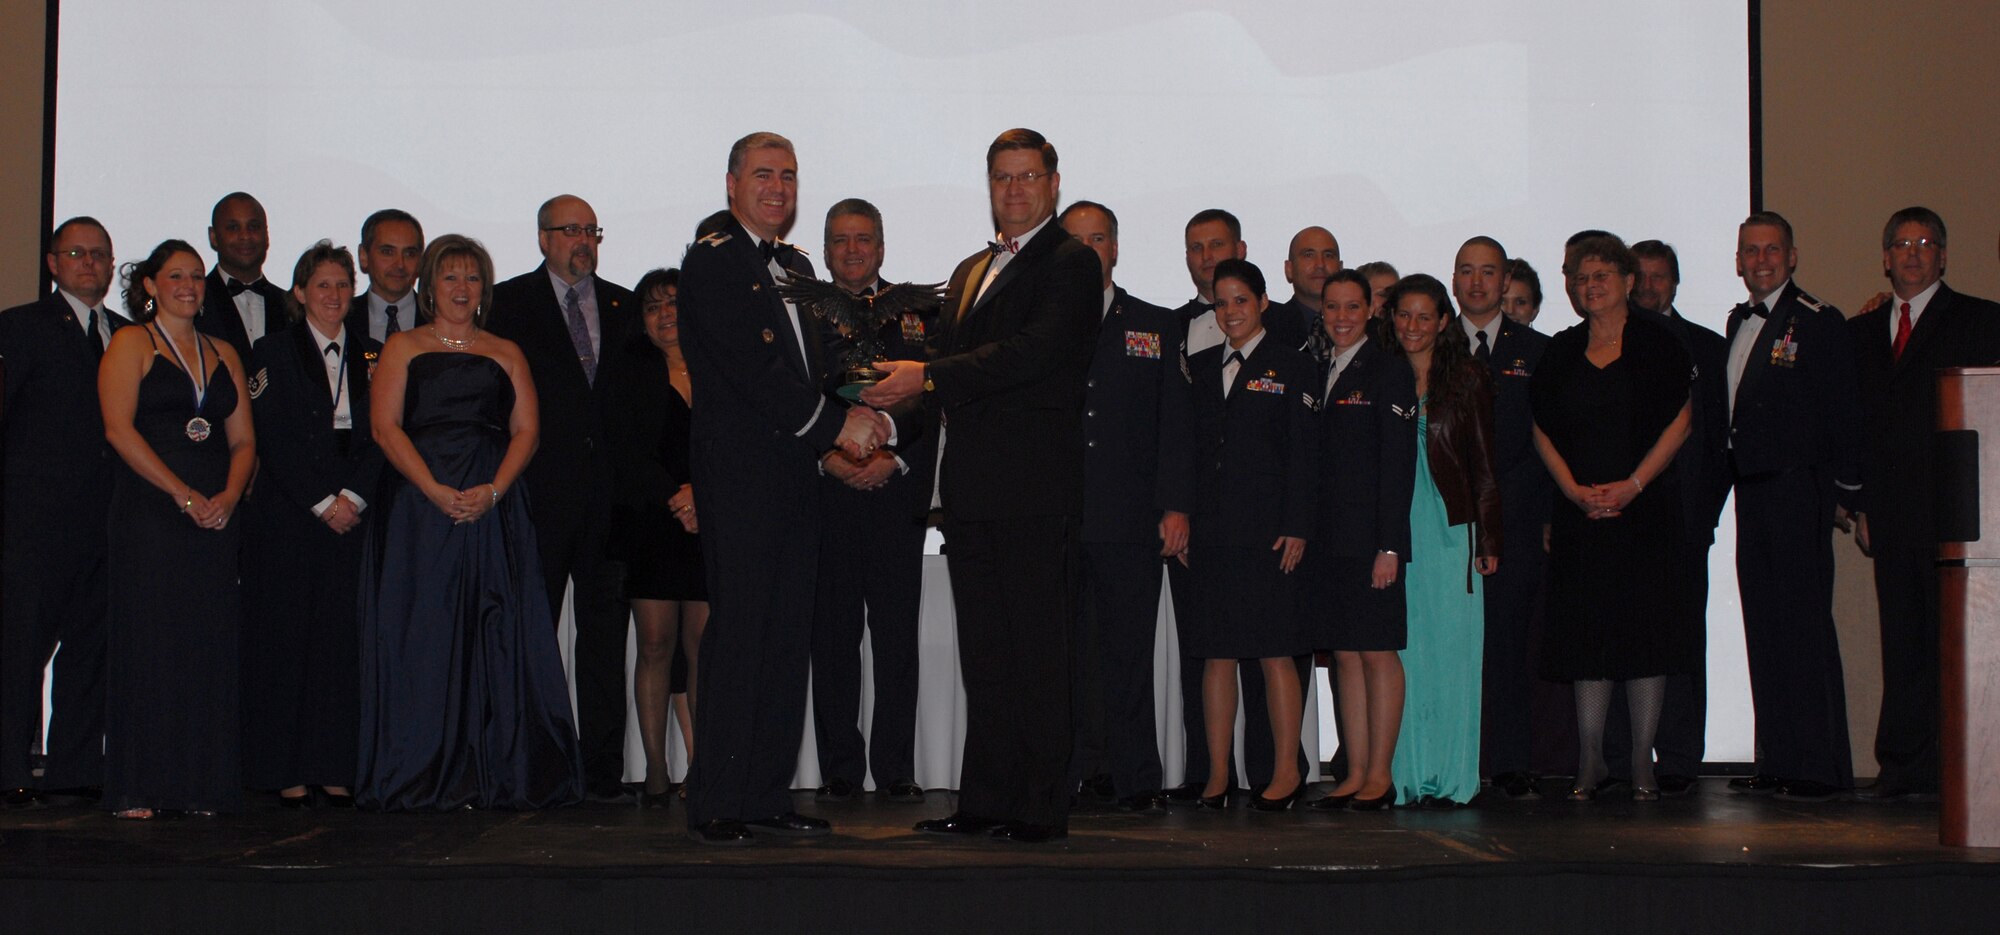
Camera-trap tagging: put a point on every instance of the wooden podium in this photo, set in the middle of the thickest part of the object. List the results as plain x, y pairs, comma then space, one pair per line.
1968, 516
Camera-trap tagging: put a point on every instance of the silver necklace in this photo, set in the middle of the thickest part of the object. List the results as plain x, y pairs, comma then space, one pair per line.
453, 343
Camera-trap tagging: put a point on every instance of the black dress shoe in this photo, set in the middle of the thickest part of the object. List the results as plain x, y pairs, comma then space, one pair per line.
655, 800
1186, 794
1144, 803
958, 823
790, 825
1895, 790
1674, 787
20, 798
1806, 790
1098, 787
1330, 802
1022, 832
1375, 804
1759, 784
336, 800
836, 790
302, 800
906, 791
612, 793
721, 833
1439, 803
1516, 785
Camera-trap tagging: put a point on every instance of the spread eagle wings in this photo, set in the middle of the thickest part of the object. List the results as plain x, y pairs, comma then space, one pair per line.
831, 303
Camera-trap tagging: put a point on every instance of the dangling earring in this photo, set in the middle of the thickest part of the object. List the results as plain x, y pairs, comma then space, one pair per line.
149, 305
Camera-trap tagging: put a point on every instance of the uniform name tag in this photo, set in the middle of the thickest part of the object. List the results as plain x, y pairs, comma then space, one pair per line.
1142, 344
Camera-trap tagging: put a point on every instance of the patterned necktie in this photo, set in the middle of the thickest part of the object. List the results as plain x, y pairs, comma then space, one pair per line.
1902, 332
393, 326
579, 335
1006, 245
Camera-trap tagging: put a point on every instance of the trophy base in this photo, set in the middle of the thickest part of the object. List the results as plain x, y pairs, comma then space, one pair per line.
859, 379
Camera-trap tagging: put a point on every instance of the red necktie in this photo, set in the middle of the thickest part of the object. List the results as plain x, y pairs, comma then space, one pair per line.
1902, 332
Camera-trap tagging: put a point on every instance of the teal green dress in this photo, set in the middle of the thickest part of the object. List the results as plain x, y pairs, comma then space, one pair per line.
1438, 752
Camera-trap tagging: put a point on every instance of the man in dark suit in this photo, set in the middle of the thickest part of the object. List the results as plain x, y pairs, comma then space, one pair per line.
878, 503
392, 247
565, 317
1512, 351
240, 305
1312, 256
1007, 376
58, 473
1211, 236
1702, 469
1794, 421
1900, 346
758, 368
1138, 478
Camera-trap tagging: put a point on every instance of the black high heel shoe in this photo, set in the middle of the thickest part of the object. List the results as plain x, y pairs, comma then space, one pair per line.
1261, 804
1375, 804
1217, 802
1331, 802
296, 801
336, 800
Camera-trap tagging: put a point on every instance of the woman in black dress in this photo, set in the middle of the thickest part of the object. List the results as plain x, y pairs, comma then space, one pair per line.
1611, 409
1368, 459
1257, 437
318, 466
176, 411
653, 521
463, 699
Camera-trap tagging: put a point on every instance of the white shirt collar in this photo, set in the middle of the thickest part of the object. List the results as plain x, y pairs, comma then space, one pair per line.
322, 341
1918, 302
1110, 295
1770, 302
1249, 347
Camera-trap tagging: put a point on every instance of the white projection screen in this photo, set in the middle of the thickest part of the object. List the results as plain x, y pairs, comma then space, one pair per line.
1402, 127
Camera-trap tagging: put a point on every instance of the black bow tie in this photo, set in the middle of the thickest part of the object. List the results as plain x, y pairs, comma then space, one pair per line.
236, 287
1748, 309
778, 250
1235, 357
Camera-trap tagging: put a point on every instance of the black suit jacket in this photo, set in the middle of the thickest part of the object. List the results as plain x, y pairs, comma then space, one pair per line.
1368, 456
1899, 408
1289, 322
572, 468
1257, 450
406, 317
1138, 429
1796, 401
219, 318
52, 447
292, 405
762, 414
1702, 465
1526, 490
1010, 368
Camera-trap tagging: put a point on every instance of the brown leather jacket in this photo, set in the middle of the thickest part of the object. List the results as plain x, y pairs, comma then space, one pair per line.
1459, 446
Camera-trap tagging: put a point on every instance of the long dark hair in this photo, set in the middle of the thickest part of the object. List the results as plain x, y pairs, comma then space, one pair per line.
137, 303
1454, 375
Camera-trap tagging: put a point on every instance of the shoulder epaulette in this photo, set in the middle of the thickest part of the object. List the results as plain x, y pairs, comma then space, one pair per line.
716, 239
1806, 299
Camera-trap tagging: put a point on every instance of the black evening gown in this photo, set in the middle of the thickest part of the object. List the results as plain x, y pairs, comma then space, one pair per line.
650, 440
170, 709
463, 699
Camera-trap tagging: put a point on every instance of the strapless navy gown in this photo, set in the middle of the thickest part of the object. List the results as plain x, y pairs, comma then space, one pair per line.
463, 699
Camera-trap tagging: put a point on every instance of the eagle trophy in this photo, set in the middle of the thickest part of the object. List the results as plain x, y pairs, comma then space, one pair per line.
859, 319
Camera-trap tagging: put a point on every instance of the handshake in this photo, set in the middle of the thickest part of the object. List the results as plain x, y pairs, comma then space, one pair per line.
865, 431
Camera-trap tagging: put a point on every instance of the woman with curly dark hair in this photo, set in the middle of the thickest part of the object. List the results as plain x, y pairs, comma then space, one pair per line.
1454, 541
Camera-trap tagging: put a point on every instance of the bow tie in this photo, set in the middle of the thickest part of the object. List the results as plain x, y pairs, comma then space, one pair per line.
1748, 309
236, 287
778, 250
1005, 245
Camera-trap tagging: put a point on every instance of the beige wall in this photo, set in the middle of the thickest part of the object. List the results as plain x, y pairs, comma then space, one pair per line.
1864, 112
21, 46
1868, 109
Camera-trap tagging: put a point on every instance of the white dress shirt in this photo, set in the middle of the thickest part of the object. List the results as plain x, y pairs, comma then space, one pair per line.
83, 318
1230, 368
335, 362
1746, 338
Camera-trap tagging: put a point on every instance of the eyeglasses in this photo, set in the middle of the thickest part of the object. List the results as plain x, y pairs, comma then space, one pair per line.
1922, 242
78, 253
1004, 179
576, 230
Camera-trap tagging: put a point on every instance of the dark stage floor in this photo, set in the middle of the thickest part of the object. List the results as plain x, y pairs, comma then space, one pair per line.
1749, 864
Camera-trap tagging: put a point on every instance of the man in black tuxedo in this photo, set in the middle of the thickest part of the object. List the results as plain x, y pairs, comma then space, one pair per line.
1007, 377
1312, 256
878, 503
392, 247
240, 306
58, 473
1511, 351
1900, 346
1138, 480
1702, 468
1211, 236
763, 418
1793, 427
565, 317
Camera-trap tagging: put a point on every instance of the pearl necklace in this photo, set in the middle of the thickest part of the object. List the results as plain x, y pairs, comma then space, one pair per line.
453, 343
